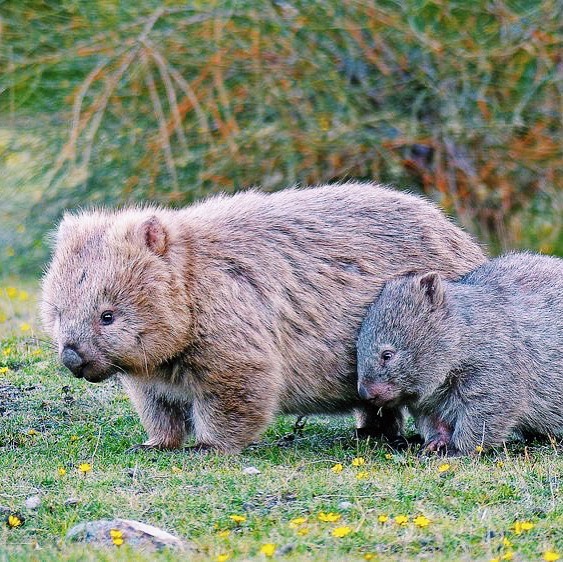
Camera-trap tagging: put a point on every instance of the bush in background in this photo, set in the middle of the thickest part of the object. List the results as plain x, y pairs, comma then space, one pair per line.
107, 102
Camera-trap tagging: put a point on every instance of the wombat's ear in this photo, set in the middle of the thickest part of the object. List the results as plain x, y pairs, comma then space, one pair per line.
432, 287
154, 235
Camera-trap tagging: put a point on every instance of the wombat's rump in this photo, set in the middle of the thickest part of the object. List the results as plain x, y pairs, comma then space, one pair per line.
475, 359
218, 316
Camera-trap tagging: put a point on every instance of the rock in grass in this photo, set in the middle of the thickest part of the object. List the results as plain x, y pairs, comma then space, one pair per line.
32, 502
134, 533
251, 470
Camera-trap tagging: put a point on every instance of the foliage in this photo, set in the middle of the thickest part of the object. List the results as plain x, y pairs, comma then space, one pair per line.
168, 102
323, 496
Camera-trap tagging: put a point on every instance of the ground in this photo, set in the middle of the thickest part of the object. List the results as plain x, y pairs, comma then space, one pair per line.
323, 496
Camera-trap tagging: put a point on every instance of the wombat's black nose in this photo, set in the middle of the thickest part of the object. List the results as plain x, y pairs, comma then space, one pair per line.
363, 392
72, 360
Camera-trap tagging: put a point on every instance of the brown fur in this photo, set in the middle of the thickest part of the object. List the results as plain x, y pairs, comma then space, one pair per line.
238, 308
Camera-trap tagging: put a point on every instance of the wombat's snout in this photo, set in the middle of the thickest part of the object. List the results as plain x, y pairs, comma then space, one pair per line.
379, 393
72, 361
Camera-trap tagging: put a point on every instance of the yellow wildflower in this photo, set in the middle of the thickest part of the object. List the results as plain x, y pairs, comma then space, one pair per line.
11, 292
444, 467
61, 471
383, 518
479, 449
3, 370
340, 532
358, 461
297, 521
268, 549
74, 437
224, 533
116, 537
402, 520
496, 559
388, 456
507, 555
176, 470
223, 557
23, 295
421, 521
337, 468
369, 556
14, 520
362, 475
521, 526
25, 327
237, 518
303, 531
32, 432
506, 543
329, 517
85, 467
7, 351
551, 556
500, 464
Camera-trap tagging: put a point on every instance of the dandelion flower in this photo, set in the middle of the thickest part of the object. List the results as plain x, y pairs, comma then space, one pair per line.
224, 533
23, 295
421, 521
506, 543
402, 520
11, 292
383, 518
362, 475
61, 470
74, 437
522, 526
500, 464
340, 532
444, 467
297, 521
479, 449
223, 557
268, 549
388, 456
329, 517
116, 537
3, 370
25, 327
551, 556
358, 461
337, 468
237, 518
32, 432
507, 555
14, 520
85, 467
369, 556
176, 470
303, 531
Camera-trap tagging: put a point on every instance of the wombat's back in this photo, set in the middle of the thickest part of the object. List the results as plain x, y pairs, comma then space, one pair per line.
519, 312
301, 266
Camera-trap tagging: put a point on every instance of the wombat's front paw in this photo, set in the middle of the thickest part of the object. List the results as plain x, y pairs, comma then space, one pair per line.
440, 446
200, 448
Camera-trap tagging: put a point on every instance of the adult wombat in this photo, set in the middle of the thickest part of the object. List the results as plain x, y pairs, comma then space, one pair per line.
218, 316
473, 359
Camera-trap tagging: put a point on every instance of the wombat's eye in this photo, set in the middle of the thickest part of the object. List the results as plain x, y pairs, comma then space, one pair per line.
387, 355
107, 317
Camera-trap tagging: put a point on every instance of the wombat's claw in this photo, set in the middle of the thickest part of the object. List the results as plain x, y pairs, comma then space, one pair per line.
140, 447
439, 447
200, 448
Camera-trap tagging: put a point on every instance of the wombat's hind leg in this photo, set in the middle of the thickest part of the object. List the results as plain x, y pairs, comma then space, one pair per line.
439, 439
384, 424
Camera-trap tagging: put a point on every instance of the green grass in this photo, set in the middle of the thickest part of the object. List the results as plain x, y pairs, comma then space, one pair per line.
472, 506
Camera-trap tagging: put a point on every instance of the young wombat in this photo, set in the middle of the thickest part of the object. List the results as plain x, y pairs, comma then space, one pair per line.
473, 359
218, 316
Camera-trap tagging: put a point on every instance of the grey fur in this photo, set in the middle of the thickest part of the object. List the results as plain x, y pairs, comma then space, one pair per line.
475, 359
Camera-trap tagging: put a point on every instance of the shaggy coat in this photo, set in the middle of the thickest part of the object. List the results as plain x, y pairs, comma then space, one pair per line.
218, 316
475, 359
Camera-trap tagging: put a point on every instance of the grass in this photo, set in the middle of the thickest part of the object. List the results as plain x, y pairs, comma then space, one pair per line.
50, 420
